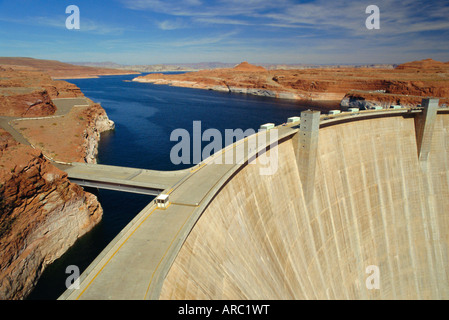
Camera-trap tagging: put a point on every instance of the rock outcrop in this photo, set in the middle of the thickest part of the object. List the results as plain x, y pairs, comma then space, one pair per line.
25, 92
369, 100
41, 215
406, 86
98, 122
34, 103
70, 138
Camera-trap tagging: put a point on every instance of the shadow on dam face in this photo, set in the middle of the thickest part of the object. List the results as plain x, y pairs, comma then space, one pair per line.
374, 207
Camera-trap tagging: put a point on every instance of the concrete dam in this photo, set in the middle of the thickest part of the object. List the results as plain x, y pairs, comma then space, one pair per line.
351, 193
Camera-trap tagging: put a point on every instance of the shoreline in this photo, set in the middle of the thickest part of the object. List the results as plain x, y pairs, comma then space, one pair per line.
285, 95
95, 76
363, 99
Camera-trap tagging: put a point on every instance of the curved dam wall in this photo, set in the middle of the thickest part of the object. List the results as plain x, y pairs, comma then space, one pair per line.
373, 204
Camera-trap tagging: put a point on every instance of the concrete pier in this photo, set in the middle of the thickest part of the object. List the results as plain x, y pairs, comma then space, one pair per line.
424, 124
307, 150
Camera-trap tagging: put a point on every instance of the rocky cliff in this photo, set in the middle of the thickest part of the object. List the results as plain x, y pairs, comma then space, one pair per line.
27, 104
25, 92
406, 86
98, 122
72, 137
42, 215
41, 212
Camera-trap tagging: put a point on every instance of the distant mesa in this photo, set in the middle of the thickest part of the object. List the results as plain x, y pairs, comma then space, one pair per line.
245, 66
426, 65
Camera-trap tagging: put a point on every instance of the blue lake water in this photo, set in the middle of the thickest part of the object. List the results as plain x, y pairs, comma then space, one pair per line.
145, 116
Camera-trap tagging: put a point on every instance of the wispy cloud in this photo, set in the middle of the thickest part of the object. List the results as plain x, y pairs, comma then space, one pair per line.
59, 22
217, 39
321, 31
171, 24
195, 8
409, 16
192, 42
96, 27
405, 17
229, 21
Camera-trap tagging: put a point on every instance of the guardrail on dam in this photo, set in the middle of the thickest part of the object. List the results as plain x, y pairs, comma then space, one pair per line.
352, 193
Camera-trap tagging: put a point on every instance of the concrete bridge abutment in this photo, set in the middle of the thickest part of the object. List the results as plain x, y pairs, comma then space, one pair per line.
424, 124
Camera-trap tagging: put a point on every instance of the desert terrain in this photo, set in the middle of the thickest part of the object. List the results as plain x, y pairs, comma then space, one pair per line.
61, 70
41, 212
360, 87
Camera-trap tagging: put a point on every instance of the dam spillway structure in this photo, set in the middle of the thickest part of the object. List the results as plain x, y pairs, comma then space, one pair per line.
357, 208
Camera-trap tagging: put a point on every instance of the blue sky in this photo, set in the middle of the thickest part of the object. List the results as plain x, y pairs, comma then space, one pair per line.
284, 31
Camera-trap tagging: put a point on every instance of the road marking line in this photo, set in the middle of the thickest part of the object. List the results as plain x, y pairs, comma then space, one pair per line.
148, 215
166, 251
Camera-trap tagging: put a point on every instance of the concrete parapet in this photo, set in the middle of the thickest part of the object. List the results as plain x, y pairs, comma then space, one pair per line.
424, 124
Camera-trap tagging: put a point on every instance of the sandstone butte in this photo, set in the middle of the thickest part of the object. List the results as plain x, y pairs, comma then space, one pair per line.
358, 87
41, 212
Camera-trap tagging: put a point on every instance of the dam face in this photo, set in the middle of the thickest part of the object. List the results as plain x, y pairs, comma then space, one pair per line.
373, 203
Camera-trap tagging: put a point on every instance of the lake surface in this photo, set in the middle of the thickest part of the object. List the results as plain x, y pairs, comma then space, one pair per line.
145, 115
